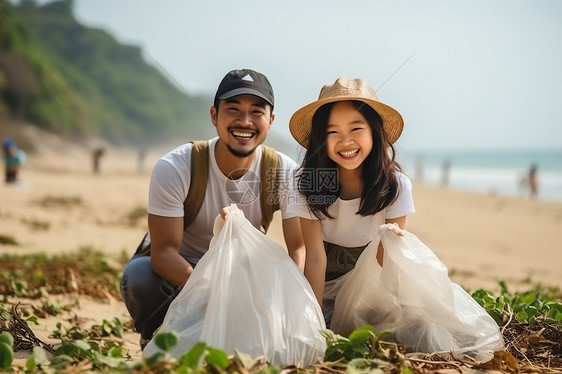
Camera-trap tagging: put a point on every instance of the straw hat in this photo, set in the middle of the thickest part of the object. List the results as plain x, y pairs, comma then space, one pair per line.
345, 89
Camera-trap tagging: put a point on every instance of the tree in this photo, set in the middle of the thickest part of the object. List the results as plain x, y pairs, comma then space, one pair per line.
19, 83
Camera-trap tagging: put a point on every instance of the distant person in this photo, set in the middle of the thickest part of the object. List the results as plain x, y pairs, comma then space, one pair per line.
97, 154
141, 160
530, 181
445, 171
242, 114
14, 158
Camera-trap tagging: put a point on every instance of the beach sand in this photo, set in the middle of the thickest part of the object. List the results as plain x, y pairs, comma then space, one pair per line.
481, 238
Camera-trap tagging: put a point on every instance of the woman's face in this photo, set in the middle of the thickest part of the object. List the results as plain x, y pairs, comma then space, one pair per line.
349, 138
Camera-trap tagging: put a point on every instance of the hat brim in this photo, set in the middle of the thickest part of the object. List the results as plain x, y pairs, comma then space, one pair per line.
244, 91
300, 123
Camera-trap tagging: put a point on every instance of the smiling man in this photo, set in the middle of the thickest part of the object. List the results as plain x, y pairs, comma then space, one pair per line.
242, 114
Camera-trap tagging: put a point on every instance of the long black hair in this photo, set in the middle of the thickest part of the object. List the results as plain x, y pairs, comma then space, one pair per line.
380, 184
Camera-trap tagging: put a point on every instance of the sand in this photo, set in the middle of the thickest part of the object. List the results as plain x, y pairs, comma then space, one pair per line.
481, 238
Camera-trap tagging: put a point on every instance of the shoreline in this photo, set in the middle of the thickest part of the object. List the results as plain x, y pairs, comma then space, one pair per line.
481, 238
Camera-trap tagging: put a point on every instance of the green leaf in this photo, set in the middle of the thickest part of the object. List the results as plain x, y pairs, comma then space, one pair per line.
38, 357
360, 366
528, 298
7, 338
66, 348
6, 315
216, 358
117, 352
360, 350
192, 357
6, 356
31, 364
59, 362
151, 361
406, 370
109, 361
556, 306
81, 344
107, 328
522, 316
551, 314
503, 286
166, 341
531, 312
497, 316
33, 320
271, 369
361, 336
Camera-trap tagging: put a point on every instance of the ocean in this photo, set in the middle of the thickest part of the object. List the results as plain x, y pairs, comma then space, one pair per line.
496, 172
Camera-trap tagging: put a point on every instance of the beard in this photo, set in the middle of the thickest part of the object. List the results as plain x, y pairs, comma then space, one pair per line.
240, 154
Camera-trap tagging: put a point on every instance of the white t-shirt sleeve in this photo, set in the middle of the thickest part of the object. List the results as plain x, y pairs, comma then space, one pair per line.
404, 204
168, 190
296, 202
297, 206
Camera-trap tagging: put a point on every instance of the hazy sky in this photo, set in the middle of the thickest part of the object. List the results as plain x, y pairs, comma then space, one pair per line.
480, 74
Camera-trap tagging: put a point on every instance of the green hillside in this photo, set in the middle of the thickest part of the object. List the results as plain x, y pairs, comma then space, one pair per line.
76, 80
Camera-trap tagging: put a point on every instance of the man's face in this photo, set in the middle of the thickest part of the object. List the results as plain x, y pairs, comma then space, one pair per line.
242, 123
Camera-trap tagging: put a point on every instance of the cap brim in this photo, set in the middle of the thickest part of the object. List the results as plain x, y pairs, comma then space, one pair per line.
300, 123
244, 91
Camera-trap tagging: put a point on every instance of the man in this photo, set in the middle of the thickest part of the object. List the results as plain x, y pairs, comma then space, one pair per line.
242, 114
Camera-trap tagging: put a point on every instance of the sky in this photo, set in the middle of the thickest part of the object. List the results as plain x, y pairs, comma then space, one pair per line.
467, 74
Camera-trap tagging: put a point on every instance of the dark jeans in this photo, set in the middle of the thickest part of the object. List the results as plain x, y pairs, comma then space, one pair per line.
146, 295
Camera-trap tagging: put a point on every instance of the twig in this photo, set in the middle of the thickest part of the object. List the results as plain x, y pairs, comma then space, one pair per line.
524, 356
19, 324
509, 320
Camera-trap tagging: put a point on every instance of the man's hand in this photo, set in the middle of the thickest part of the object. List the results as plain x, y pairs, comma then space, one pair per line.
225, 212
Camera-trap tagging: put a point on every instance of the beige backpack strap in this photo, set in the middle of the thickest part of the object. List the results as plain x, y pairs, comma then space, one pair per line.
198, 183
269, 177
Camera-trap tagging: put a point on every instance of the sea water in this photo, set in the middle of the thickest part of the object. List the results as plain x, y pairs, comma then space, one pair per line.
496, 172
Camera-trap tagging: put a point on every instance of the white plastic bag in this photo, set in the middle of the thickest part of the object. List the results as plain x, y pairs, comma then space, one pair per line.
247, 295
413, 294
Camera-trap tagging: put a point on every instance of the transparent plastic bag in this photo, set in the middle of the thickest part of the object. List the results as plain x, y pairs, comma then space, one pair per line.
247, 295
413, 295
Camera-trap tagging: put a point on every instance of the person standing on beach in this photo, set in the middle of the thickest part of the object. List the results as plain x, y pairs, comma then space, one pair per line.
14, 158
530, 181
533, 180
97, 155
242, 114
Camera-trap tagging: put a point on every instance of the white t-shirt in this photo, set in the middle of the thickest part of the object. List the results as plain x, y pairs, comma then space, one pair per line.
349, 229
170, 182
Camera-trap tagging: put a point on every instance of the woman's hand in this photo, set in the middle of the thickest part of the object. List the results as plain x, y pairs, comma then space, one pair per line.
395, 228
